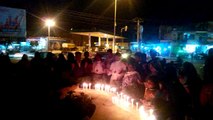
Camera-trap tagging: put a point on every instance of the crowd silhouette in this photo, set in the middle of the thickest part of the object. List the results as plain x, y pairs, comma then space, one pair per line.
37, 86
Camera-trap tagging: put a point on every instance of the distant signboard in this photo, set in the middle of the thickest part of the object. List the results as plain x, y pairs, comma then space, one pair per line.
12, 22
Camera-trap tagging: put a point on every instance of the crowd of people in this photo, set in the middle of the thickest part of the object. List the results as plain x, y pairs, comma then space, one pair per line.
174, 88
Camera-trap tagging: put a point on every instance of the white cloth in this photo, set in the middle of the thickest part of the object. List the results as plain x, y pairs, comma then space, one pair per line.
117, 70
98, 67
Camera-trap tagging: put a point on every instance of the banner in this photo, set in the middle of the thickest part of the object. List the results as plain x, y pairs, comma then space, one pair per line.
12, 22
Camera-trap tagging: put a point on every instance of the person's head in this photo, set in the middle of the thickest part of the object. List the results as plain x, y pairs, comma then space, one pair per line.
131, 64
97, 57
37, 54
86, 54
24, 57
117, 56
210, 53
152, 82
70, 57
153, 53
61, 57
140, 57
77, 56
109, 52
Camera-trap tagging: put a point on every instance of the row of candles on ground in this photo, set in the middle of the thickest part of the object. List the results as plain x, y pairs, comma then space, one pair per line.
100, 87
123, 101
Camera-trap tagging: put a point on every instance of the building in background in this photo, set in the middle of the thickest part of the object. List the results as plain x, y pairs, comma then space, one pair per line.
12, 26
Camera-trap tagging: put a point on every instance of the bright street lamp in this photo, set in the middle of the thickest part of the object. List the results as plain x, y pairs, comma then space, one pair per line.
115, 24
49, 23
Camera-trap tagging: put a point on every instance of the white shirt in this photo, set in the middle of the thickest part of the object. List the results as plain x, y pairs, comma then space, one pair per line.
117, 69
98, 67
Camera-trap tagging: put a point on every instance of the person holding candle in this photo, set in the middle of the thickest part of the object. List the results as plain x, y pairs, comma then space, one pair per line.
109, 59
117, 71
132, 84
155, 98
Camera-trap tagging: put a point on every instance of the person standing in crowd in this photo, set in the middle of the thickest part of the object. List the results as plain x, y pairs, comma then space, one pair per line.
108, 61
98, 69
141, 65
206, 94
192, 83
132, 84
154, 65
117, 71
86, 64
78, 69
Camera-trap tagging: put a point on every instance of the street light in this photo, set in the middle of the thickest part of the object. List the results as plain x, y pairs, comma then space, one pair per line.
49, 23
115, 24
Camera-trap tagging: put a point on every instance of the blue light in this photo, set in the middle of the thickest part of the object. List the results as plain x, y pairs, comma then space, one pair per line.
135, 46
190, 48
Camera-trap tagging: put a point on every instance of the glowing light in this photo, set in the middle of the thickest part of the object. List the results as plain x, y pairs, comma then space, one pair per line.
135, 46
146, 114
10, 47
18, 55
158, 49
125, 55
190, 48
97, 86
49, 22
209, 46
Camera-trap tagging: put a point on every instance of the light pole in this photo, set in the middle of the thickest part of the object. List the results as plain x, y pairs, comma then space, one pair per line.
125, 29
49, 23
115, 24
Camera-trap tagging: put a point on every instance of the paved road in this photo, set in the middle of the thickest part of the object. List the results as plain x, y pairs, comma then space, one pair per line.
106, 110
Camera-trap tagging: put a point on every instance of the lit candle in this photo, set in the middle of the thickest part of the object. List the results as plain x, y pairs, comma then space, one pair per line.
102, 87
108, 88
136, 105
132, 100
84, 85
113, 90
143, 113
151, 115
97, 86
89, 85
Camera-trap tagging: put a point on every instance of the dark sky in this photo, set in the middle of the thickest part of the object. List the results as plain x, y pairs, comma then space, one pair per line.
98, 14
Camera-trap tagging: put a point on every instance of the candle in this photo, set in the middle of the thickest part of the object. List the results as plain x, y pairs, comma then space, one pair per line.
89, 85
113, 90
84, 85
136, 105
132, 100
102, 87
97, 86
142, 113
107, 87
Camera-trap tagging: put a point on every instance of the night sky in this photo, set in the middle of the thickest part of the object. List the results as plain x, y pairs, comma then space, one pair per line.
98, 14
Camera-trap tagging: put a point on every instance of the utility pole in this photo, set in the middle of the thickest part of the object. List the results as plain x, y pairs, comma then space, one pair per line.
125, 29
138, 21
